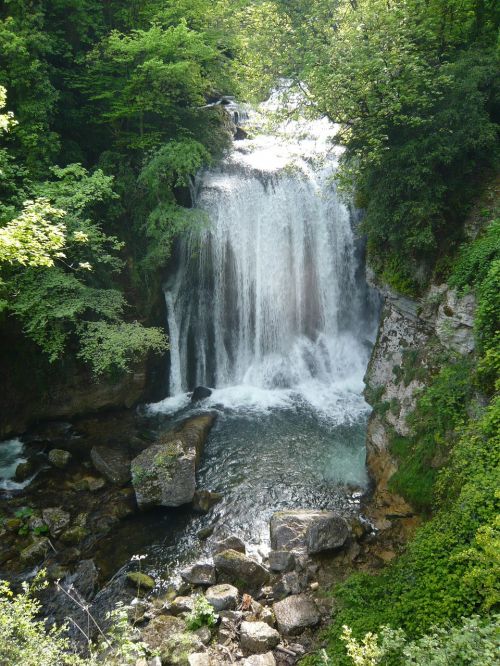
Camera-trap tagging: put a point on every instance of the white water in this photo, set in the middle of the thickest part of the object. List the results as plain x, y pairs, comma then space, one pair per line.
266, 305
11, 455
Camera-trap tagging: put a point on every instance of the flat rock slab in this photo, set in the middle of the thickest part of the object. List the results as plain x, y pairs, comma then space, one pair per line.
113, 464
222, 597
258, 637
295, 613
308, 531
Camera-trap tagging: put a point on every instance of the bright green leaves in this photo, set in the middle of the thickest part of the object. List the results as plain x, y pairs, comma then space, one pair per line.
108, 347
172, 165
35, 237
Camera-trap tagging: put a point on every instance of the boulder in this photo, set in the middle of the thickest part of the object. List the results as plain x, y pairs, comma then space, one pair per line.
199, 659
113, 464
295, 613
24, 470
36, 552
169, 637
289, 583
140, 580
59, 458
164, 473
200, 393
260, 660
204, 500
281, 560
308, 531
222, 597
219, 543
181, 605
242, 571
202, 573
56, 520
258, 637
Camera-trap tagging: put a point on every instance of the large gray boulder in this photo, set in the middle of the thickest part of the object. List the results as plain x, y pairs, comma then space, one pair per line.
113, 464
307, 531
164, 473
243, 572
258, 637
296, 613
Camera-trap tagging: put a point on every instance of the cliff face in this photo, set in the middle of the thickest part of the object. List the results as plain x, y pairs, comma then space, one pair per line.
412, 337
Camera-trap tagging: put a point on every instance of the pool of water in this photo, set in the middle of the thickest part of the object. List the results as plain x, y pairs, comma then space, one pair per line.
261, 460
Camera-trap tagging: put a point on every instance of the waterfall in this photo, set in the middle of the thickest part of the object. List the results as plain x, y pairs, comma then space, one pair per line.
267, 295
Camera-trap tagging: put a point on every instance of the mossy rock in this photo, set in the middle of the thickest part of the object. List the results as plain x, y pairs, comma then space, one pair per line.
140, 580
74, 535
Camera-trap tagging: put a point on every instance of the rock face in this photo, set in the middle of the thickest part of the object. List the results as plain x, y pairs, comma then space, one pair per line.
164, 474
243, 572
258, 637
112, 464
455, 322
281, 560
307, 531
222, 597
295, 614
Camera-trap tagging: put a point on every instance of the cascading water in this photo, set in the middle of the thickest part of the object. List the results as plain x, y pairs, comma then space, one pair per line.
266, 303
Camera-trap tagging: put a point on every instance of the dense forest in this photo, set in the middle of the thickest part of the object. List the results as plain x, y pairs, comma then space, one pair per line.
109, 109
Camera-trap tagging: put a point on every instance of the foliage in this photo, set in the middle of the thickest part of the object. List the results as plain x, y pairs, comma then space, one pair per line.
474, 642
202, 615
115, 347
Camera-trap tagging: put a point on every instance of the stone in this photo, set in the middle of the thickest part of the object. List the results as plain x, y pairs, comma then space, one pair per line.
281, 560
74, 535
164, 473
24, 470
160, 630
266, 615
295, 613
85, 579
137, 610
258, 637
113, 464
36, 552
289, 583
59, 458
308, 530
168, 636
227, 542
200, 393
199, 659
56, 520
96, 483
204, 634
202, 573
181, 605
204, 500
222, 597
236, 568
260, 660
140, 580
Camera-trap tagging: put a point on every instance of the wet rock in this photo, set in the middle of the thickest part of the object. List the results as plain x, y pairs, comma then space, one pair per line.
85, 579
24, 470
281, 560
59, 458
164, 474
222, 597
36, 552
56, 520
204, 500
13, 524
200, 393
295, 613
199, 574
240, 570
258, 637
224, 542
260, 660
113, 464
309, 531
96, 483
168, 635
140, 580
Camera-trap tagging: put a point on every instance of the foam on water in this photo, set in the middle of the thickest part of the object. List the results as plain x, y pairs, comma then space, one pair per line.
11, 455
